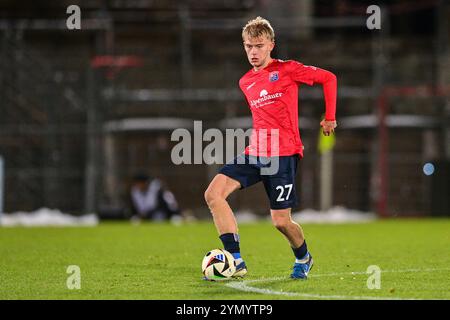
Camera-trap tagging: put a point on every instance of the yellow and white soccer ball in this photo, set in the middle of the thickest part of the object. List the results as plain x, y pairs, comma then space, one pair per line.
218, 265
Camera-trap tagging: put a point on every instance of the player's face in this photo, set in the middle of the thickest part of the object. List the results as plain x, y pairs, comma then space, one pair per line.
258, 51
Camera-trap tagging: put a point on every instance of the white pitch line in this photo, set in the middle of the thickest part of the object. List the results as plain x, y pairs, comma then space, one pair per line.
382, 271
244, 286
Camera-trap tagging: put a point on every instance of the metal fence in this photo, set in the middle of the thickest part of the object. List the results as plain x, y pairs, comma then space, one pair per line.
77, 122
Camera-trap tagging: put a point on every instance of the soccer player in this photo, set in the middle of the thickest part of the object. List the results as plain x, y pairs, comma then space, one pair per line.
271, 91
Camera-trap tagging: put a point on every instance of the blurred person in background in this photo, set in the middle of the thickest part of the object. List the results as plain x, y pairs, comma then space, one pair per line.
150, 200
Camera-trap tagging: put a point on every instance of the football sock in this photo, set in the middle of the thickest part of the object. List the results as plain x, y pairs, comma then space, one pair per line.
231, 244
237, 255
301, 253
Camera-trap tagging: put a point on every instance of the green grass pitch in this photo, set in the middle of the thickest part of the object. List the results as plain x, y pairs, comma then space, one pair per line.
162, 261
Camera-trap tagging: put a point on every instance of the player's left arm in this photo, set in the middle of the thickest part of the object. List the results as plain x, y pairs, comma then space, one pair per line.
311, 75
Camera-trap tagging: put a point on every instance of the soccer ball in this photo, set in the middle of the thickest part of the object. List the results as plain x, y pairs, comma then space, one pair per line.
218, 264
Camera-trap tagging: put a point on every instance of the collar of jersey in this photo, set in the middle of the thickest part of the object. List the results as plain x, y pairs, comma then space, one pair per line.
253, 70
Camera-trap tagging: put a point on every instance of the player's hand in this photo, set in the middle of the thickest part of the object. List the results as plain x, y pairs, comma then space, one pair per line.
328, 126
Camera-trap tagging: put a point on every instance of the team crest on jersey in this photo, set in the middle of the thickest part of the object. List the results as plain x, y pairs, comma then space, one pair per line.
273, 76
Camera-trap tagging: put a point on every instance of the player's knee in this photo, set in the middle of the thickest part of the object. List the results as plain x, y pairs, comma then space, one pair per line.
211, 197
281, 224
208, 196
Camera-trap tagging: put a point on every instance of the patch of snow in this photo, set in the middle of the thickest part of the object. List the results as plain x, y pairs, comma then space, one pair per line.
336, 214
46, 217
246, 216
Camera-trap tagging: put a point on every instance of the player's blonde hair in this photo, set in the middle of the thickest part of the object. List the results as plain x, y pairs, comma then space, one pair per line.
257, 28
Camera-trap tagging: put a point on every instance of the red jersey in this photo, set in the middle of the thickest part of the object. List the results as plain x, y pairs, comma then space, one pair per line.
272, 96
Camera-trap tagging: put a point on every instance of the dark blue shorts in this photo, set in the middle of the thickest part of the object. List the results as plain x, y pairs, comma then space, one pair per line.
279, 184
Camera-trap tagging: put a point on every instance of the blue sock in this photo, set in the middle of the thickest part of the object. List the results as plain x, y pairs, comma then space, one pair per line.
236, 255
300, 252
231, 244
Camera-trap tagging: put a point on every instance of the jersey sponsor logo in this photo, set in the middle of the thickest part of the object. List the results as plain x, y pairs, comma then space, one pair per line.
265, 99
273, 76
